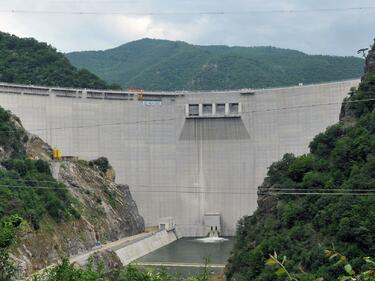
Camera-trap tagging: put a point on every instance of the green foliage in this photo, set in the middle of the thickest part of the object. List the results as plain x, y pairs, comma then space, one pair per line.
8, 230
367, 274
342, 160
12, 138
167, 65
8, 227
69, 272
365, 91
27, 61
101, 163
28, 189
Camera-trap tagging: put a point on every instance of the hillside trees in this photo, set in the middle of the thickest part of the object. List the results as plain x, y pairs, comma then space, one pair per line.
26, 61
333, 201
166, 65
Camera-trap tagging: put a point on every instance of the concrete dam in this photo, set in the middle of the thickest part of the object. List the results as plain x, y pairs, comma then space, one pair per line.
195, 156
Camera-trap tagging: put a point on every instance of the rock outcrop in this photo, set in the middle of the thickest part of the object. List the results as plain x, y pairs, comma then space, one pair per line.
347, 114
370, 60
108, 207
107, 212
36, 148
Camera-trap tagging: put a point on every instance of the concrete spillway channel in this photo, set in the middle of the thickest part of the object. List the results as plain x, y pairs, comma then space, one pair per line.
131, 248
189, 155
127, 249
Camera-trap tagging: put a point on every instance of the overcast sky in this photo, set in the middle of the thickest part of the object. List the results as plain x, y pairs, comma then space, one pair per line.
327, 32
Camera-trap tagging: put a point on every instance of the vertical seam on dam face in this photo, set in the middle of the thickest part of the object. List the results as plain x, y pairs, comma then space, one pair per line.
191, 156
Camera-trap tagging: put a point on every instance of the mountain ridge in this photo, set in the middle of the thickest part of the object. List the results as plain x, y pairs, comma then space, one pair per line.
155, 64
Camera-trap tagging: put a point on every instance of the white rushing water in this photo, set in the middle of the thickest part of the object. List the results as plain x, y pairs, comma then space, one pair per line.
211, 240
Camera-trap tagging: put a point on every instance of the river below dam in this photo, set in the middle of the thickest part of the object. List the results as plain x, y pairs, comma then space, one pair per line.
186, 256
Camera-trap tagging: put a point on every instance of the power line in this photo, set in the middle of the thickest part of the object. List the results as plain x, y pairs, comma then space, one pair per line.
92, 2
192, 13
252, 193
211, 192
180, 118
262, 189
290, 191
32, 187
31, 181
312, 192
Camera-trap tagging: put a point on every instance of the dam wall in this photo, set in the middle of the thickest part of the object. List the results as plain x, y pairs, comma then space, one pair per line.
184, 154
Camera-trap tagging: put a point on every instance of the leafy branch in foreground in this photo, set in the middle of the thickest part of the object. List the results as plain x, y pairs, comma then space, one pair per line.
350, 273
274, 261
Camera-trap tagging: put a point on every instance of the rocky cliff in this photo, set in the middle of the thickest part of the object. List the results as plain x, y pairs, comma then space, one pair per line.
360, 101
106, 212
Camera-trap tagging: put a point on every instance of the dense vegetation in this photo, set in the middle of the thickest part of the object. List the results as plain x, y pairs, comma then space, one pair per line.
301, 227
26, 61
12, 138
8, 229
68, 272
27, 187
101, 163
167, 65
28, 192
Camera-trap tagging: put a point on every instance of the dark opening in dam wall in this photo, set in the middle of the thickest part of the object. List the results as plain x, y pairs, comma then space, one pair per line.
213, 129
181, 163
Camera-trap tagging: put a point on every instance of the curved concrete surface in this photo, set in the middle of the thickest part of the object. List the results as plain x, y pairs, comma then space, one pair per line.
177, 166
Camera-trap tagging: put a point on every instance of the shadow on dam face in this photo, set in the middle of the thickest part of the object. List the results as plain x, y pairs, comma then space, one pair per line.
214, 129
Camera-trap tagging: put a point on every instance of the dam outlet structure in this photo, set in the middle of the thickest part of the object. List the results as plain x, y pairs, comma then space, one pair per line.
195, 156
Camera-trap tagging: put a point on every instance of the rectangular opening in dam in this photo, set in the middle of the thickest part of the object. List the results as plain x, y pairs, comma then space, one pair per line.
220, 108
206, 129
193, 110
207, 109
234, 108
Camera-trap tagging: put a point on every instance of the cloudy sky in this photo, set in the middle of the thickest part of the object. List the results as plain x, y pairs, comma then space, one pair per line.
243, 22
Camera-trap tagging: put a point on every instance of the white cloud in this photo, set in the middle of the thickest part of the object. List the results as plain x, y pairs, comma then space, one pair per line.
325, 32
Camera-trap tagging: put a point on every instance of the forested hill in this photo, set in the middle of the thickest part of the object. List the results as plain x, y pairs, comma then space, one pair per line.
334, 211
27, 61
167, 65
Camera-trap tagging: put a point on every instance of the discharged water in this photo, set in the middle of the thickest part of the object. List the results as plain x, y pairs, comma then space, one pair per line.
183, 255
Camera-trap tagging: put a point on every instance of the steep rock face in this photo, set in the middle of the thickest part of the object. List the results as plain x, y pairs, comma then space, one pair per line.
13, 136
370, 60
267, 202
346, 114
36, 148
349, 107
107, 206
107, 212
108, 259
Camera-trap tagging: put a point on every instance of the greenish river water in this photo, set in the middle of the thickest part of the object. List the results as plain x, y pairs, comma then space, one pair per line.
184, 252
